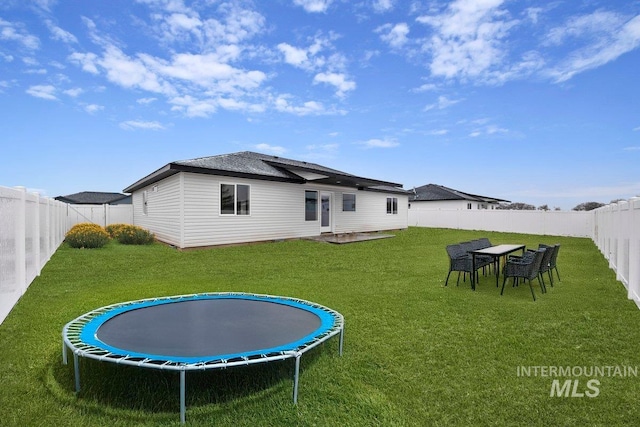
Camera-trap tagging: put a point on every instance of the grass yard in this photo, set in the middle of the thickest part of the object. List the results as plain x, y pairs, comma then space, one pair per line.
416, 353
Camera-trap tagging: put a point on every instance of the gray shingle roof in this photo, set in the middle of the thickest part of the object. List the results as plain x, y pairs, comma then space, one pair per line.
92, 198
248, 164
433, 192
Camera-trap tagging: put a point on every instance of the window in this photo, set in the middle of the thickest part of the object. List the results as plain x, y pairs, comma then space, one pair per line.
234, 199
348, 203
468, 205
392, 205
310, 205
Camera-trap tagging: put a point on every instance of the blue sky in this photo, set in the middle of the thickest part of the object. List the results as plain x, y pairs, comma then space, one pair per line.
530, 101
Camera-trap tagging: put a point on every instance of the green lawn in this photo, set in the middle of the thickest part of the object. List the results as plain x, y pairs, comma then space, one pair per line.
416, 352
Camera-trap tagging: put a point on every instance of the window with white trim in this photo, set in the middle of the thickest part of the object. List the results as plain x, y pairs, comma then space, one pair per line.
348, 202
310, 205
234, 199
392, 205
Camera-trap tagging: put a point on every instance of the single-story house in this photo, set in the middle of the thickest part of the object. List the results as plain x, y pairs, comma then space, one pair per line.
95, 198
248, 197
433, 196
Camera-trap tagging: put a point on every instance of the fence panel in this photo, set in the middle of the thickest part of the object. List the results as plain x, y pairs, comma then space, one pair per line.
31, 229
99, 214
553, 223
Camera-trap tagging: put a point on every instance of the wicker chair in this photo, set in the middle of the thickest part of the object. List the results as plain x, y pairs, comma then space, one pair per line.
553, 262
526, 268
484, 260
460, 261
545, 265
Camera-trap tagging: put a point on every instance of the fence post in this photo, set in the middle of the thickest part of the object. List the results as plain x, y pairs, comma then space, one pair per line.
634, 250
36, 233
20, 244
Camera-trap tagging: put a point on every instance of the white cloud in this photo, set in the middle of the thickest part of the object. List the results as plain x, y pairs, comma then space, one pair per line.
338, 80
394, 35
442, 103
145, 101
636, 148
93, 108
43, 91
381, 6
75, 92
427, 87
636, 129
266, 148
138, 124
308, 108
59, 34
87, 61
293, 55
314, 5
193, 107
309, 58
10, 31
468, 40
439, 132
606, 35
380, 143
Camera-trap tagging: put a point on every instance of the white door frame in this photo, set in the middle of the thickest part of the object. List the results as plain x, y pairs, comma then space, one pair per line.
326, 212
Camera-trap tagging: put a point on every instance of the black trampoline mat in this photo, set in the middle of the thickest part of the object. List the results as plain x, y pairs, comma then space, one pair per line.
208, 327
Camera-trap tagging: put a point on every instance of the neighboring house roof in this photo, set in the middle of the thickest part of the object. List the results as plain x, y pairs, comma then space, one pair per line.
94, 198
248, 164
433, 192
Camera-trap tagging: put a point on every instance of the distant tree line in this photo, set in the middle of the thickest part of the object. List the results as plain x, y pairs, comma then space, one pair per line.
586, 206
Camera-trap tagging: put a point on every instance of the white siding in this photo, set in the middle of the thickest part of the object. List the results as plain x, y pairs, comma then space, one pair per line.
163, 210
191, 217
371, 212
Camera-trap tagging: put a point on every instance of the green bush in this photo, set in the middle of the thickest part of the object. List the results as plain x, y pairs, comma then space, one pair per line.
134, 235
87, 235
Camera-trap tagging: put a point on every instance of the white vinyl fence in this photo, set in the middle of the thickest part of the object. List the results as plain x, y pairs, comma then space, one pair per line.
99, 214
552, 223
31, 229
617, 235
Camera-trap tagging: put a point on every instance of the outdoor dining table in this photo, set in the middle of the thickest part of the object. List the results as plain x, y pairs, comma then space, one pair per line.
495, 252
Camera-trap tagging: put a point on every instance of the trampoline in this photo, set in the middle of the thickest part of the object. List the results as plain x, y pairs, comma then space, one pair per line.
201, 331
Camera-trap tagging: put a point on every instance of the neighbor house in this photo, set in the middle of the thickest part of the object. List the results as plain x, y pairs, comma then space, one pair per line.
95, 198
432, 196
248, 197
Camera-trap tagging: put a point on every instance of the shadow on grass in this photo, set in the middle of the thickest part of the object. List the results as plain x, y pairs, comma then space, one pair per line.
142, 392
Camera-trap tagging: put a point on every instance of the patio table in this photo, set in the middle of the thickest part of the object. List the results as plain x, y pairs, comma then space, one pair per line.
495, 252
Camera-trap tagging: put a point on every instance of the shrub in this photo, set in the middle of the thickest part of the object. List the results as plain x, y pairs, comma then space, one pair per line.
134, 235
115, 230
87, 235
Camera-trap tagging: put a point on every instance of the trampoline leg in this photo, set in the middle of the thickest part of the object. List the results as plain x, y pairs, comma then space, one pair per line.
182, 397
64, 352
76, 371
341, 339
295, 380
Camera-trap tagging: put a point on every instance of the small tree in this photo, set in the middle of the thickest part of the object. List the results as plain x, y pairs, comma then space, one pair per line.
588, 206
517, 207
543, 208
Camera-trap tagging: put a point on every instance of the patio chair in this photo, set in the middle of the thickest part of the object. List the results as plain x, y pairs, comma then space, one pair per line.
460, 261
485, 242
526, 268
553, 262
545, 264
482, 261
